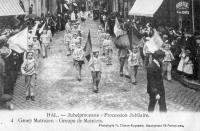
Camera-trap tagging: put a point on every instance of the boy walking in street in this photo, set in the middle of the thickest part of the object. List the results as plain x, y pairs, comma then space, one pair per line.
78, 58
75, 39
123, 58
134, 60
95, 67
49, 33
67, 40
28, 69
36, 47
107, 45
30, 49
101, 37
45, 40
167, 66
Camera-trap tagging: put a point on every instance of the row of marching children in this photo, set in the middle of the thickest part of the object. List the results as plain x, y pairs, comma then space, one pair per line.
38, 47
82, 53
72, 40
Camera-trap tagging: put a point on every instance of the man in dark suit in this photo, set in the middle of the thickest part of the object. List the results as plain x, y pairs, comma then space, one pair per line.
155, 86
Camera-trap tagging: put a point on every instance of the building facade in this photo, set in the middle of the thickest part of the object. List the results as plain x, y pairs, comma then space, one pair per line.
179, 13
122, 6
183, 14
41, 6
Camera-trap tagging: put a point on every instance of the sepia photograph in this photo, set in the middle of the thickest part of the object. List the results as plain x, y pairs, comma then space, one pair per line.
125, 58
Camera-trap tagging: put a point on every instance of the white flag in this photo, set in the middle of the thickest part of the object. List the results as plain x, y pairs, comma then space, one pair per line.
66, 7
19, 42
42, 28
117, 30
35, 28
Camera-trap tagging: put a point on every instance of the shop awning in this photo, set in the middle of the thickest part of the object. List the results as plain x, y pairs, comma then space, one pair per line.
145, 7
10, 7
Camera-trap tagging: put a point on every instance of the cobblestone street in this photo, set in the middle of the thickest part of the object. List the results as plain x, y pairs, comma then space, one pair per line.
57, 87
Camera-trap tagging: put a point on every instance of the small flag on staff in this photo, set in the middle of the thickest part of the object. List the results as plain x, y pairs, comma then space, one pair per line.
34, 29
43, 28
88, 47
117, 30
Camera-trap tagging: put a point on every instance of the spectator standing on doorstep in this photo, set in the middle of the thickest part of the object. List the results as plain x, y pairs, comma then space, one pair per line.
188, 65
167, 65
95, 67
181, 62
134, 60
155, 85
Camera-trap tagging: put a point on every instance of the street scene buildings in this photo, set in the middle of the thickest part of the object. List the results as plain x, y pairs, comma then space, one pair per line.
100, 55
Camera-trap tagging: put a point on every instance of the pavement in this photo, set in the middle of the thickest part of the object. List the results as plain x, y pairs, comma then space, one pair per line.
58, 89
192, 84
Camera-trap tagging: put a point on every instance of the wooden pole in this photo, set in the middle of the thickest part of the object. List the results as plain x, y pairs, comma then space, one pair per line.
193, 19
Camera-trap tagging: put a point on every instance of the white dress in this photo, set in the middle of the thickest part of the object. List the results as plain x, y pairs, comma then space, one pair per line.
73, 17
188, 66
181, 63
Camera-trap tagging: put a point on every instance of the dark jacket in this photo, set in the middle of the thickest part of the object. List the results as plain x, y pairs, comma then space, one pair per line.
155, 80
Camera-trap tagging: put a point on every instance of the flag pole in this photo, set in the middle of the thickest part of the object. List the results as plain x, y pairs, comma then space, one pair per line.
27, 38
193, 24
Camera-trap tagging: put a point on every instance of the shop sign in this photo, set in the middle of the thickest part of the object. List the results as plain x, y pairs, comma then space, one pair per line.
182, 7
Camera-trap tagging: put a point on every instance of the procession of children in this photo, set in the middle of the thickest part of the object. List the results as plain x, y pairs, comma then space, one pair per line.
37, 48
73, 40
